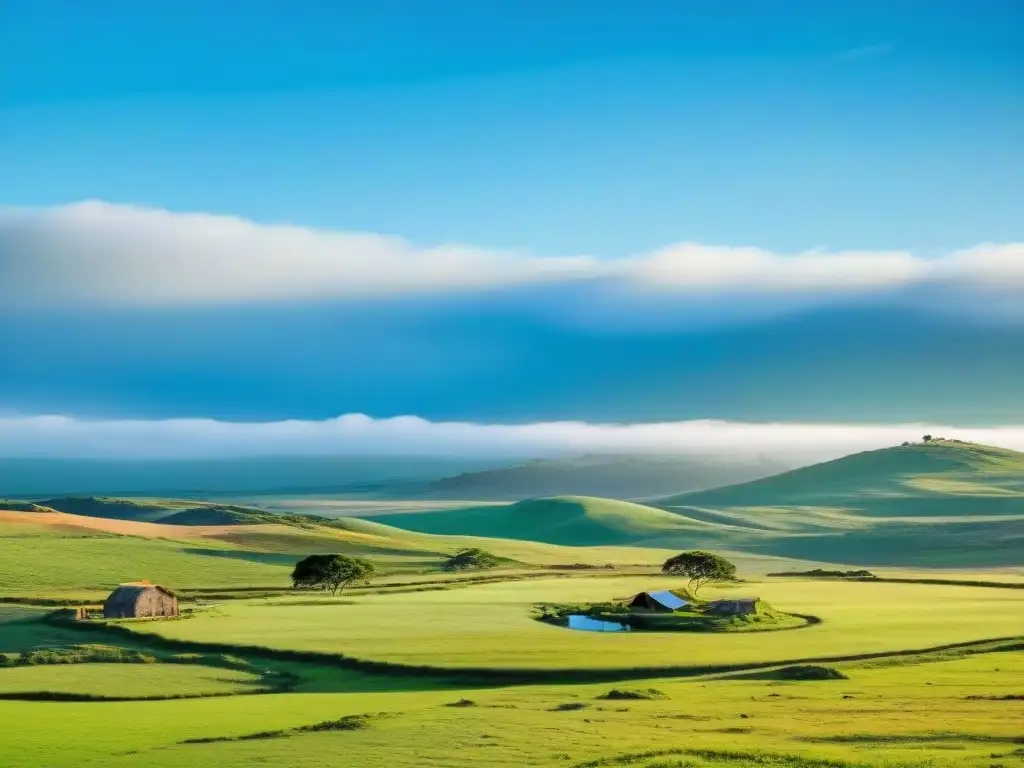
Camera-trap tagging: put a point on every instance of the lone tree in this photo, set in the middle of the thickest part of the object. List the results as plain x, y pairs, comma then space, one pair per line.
927, 438
700, 568
331, 572
473, 559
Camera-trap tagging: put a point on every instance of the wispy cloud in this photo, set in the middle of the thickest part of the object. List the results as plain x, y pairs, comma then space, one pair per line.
98, 253
59, 436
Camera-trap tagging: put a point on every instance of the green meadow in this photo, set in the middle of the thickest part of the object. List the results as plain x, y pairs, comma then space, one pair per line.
920, 667
141, 680
492, 626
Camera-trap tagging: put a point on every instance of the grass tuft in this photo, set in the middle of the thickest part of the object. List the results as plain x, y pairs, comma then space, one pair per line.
635, 694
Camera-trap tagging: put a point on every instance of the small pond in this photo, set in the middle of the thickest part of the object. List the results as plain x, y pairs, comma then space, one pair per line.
587, 624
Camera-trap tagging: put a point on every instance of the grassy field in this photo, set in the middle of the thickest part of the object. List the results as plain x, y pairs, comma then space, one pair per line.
490, 625
63, 555
426, 669
125, 680
943, 709
917, 715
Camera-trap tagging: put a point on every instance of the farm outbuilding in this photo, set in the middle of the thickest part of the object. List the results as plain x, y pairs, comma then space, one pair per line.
658, 601
737, 607
140, 600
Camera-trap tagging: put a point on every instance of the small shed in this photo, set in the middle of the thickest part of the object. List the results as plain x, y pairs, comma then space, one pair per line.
743, 606
138, 600
658, 601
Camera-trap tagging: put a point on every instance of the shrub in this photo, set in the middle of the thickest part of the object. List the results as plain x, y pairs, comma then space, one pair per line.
83, 654
570, 706
472, 559
347, 723
634, 694
810, 672
263, 735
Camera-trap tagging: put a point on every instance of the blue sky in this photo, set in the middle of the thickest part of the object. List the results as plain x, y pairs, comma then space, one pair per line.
605, 128
582, 156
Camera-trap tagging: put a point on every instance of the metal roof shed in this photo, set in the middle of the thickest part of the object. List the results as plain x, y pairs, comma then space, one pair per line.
658, 601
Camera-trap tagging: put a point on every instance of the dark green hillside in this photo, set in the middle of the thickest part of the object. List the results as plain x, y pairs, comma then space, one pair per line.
170, 511
111, 508
23, 506
219, 514
610, 476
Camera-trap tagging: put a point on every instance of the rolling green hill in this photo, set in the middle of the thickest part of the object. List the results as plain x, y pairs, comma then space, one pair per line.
937, 479
70, 556
565, 520
611, 476
939, 504
944, 504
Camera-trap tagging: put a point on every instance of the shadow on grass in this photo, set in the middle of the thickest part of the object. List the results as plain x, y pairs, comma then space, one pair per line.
419, 677
912, 738
265, 558
716, 757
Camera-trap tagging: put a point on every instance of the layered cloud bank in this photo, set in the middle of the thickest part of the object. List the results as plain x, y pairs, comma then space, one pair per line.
98, 253
58, 436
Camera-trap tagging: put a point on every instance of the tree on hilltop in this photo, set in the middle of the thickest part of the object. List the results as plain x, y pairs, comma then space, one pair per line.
700, 568
331, 572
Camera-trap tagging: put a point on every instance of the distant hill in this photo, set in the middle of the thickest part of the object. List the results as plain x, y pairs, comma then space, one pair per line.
609, 476
170, 511
566, 520
937, 504
941, 504
939, 478
207, 478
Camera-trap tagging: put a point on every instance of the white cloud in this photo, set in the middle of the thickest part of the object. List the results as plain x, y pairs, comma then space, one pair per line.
105, 253
690, 266
99, 253
60, 436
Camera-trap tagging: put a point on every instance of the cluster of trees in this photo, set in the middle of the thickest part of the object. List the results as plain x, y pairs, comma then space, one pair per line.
331, 573
700, 568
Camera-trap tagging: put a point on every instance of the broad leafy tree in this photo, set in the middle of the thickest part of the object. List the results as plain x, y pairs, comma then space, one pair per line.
700, 568
331, 573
